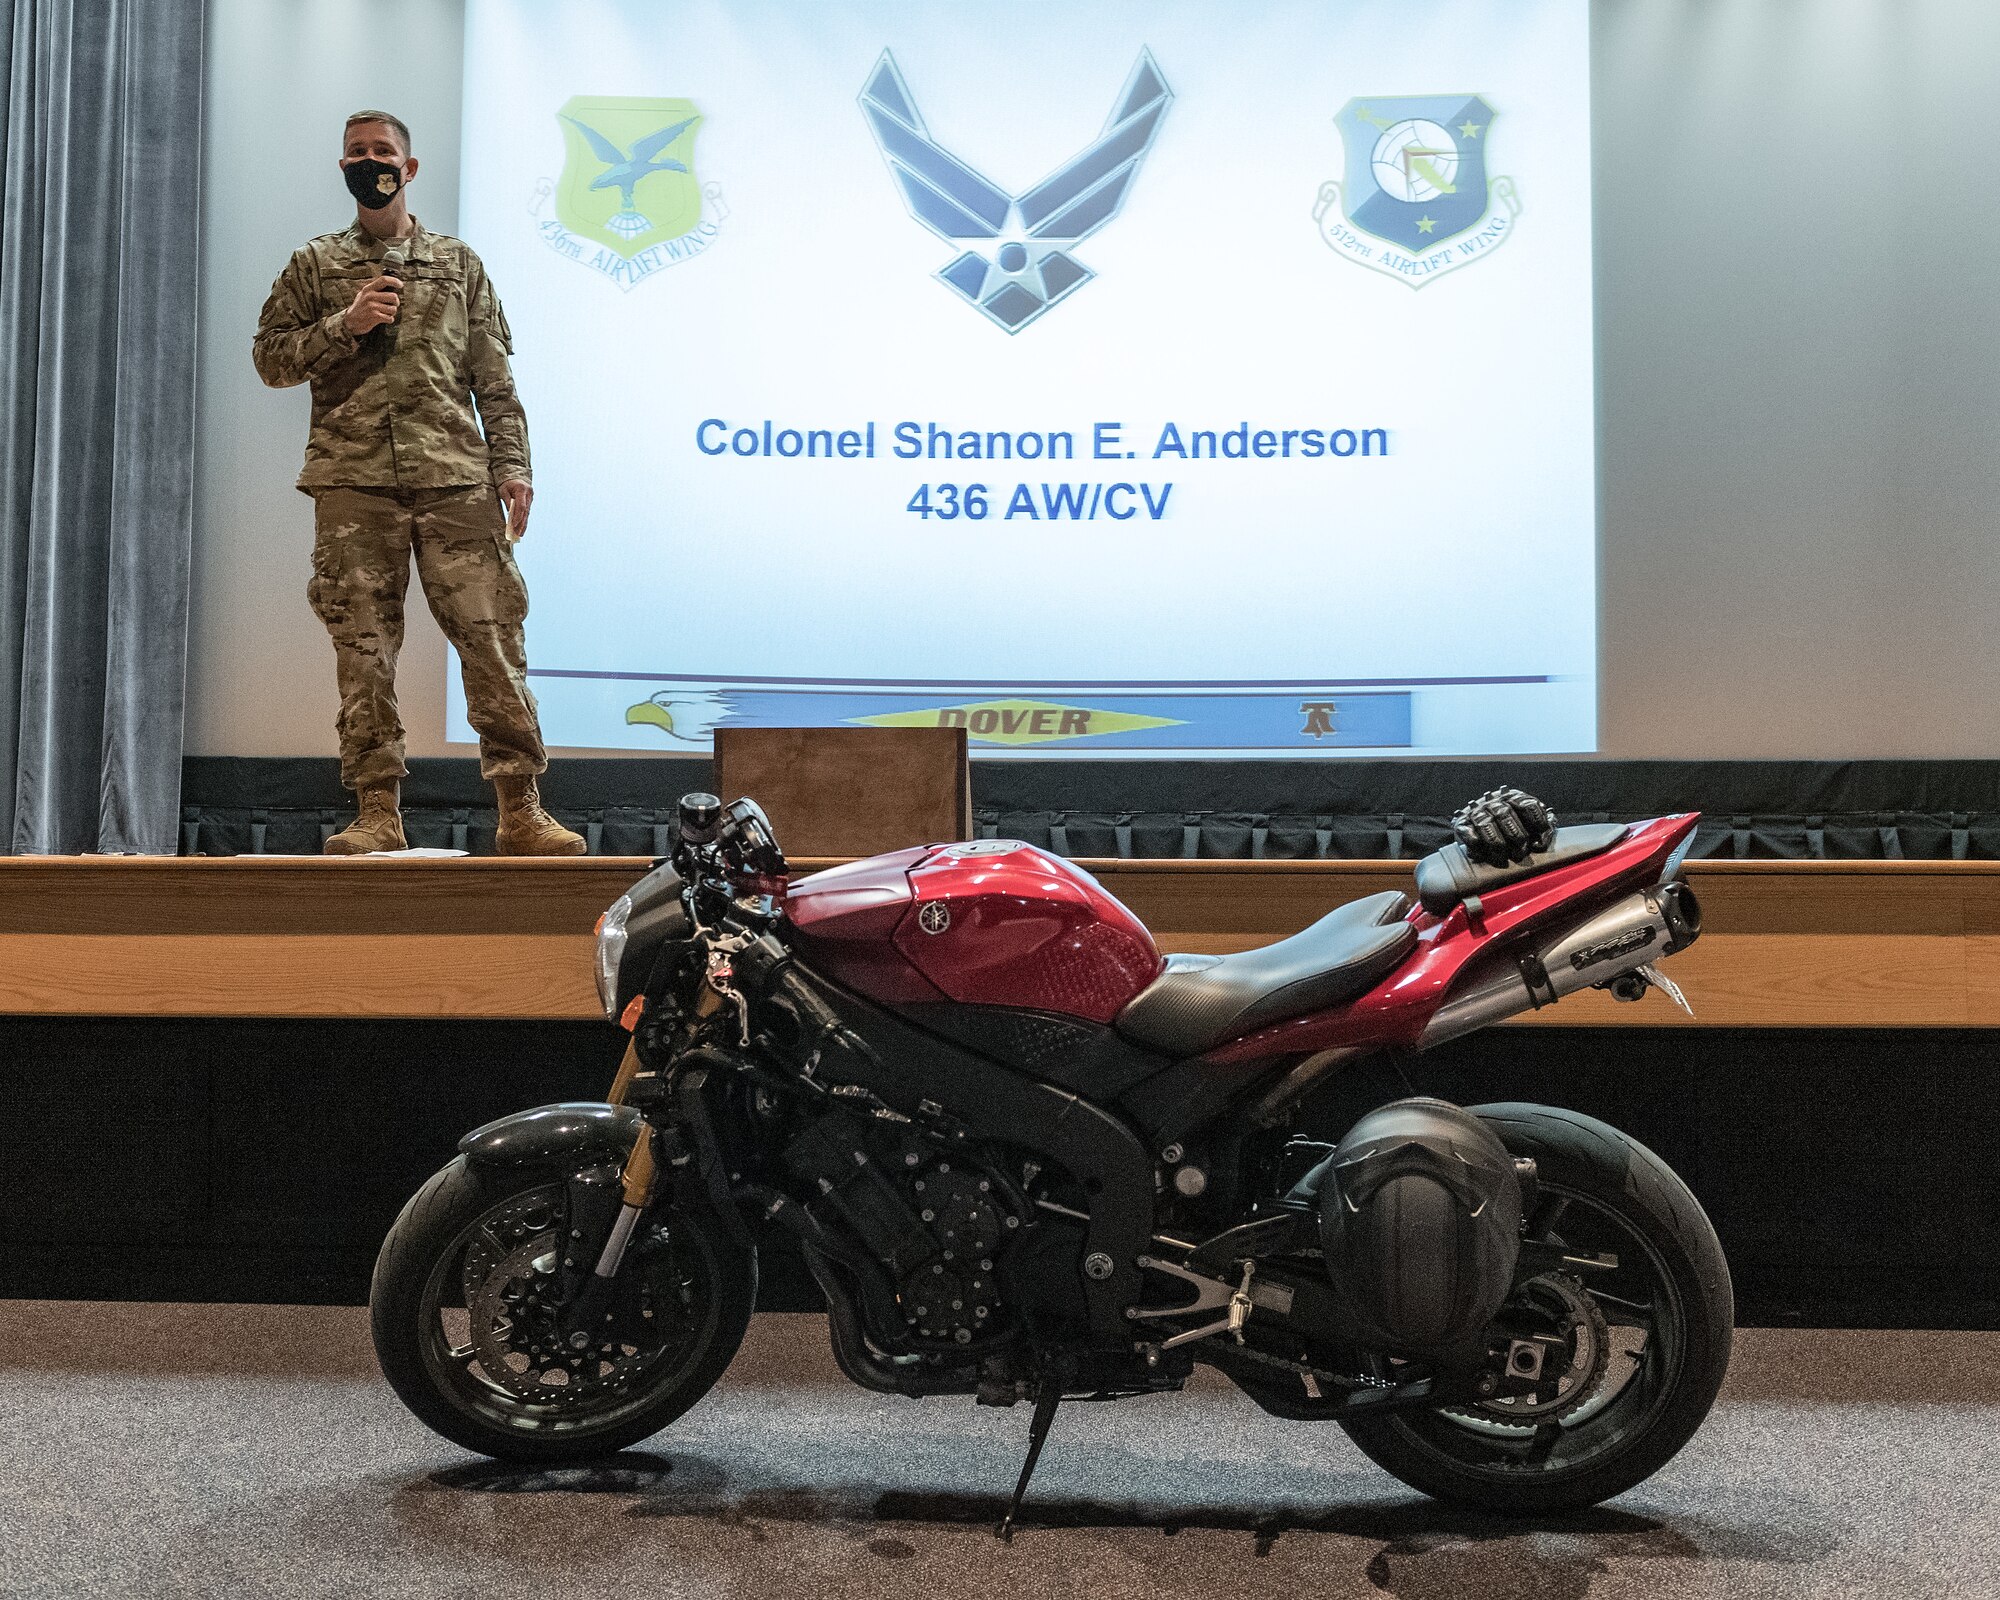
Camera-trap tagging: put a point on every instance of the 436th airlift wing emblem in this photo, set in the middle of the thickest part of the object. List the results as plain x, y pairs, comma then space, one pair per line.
628, 202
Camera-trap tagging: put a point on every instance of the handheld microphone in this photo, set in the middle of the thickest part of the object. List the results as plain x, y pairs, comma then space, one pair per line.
393, 256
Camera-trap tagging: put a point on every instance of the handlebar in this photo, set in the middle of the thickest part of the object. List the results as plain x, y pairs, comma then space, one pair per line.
727, 854
736, 838
731, 856
766, 967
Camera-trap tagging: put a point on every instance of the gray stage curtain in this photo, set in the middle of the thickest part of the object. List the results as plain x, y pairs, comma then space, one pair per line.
98, 191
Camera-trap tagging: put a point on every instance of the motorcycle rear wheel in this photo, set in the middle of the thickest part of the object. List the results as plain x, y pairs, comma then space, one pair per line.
1668, 1308
458, 1294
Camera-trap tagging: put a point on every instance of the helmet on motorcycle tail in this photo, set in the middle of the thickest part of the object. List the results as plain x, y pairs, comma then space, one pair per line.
1420, 1221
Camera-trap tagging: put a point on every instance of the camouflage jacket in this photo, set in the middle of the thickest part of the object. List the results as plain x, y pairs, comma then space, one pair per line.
393, 408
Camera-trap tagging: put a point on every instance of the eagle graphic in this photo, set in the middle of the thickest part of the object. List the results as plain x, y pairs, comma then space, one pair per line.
689, 715
625, 168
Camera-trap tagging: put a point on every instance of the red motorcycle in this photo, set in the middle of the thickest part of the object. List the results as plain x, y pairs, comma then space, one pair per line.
1027, 1157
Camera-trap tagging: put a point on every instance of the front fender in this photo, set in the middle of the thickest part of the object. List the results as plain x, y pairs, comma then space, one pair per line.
575, 1130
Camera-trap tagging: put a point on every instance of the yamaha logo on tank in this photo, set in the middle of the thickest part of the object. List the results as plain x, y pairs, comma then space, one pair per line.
935, 917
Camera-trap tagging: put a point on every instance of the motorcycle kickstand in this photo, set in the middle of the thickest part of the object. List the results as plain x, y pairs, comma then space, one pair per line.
1047, 1398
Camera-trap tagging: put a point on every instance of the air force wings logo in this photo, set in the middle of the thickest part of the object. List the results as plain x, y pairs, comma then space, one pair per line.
1416, 201
1029, 235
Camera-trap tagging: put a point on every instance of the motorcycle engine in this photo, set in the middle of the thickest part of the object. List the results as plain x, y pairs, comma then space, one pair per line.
934, 1221
955, 1293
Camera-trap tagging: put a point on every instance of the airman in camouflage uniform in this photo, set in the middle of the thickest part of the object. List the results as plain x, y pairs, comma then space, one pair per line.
399, 333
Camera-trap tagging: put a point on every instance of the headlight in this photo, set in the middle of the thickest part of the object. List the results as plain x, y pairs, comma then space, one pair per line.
611, 952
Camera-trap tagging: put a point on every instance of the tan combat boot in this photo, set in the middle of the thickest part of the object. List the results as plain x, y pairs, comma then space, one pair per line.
525, 828
379, 827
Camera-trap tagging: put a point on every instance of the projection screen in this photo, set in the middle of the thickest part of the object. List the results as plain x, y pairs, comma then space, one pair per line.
1105, 377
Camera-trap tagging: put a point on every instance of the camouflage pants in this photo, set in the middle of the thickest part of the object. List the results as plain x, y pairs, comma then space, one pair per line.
363, 543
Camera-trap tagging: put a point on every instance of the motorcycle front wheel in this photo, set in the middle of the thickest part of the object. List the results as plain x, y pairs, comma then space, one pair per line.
1647, 1343
465, 1312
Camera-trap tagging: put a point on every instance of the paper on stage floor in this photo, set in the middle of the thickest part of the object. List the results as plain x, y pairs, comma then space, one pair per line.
412, 854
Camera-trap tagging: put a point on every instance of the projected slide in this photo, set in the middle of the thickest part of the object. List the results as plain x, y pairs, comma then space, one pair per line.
1110, 377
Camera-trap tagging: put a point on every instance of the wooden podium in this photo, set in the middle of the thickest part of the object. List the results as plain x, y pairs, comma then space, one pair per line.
850, 791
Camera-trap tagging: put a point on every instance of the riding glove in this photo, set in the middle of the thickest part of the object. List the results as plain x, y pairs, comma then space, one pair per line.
1503, 825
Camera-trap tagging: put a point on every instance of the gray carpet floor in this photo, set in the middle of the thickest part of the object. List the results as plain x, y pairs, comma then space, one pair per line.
154, 1450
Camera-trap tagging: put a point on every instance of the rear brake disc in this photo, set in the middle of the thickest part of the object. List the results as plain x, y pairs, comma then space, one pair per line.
1586, 1335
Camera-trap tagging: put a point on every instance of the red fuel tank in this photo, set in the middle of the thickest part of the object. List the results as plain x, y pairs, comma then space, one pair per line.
993, 923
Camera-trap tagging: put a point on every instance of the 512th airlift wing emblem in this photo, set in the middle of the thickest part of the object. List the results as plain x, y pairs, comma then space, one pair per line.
628, 203
1030, 235
1416, 202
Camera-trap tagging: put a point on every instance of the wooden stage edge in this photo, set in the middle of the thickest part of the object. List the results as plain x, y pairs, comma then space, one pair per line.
1899, 944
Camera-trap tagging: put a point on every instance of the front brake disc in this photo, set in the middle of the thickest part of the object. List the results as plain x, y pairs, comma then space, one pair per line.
512, 1280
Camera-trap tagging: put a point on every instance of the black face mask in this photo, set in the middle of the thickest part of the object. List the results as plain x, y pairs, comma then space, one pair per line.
372, 183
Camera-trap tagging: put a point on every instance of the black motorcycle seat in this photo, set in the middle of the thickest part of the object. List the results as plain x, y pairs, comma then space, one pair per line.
1200, 1001
1447, 876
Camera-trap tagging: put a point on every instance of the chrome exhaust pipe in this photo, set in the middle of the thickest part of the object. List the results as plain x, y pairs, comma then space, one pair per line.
1630, 933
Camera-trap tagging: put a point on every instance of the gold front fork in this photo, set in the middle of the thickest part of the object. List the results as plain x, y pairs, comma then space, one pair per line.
628, 1069
637, 1179
639, 1168
706, 1003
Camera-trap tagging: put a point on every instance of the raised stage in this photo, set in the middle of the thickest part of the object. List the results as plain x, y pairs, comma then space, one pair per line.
1849, 944
226, 1075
